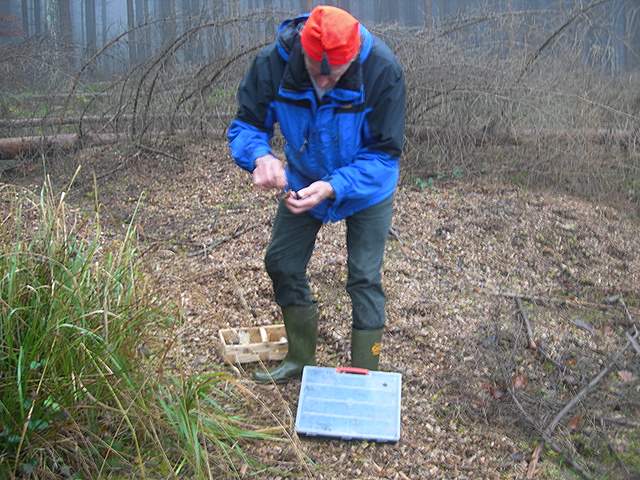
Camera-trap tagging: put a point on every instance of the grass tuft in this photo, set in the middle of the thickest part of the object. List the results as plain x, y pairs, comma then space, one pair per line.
76, 396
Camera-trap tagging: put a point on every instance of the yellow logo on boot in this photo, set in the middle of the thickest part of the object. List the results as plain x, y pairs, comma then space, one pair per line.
376, 349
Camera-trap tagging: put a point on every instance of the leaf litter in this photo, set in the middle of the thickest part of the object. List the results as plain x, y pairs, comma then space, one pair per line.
455, 249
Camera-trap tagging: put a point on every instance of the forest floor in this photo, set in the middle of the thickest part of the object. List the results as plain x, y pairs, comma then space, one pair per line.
458, 253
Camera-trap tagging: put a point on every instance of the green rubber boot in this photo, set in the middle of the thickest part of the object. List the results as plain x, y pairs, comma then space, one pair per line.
365, 348
301, 324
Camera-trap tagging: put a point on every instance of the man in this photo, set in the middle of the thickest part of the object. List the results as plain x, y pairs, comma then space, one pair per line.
338, 93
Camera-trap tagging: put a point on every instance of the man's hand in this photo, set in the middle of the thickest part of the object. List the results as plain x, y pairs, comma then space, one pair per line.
269, 173
307, 198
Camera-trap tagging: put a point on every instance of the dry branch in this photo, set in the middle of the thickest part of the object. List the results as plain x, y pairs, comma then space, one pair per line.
91, 119
219, 241
634, 342
549, 441
556, 34
16, 146
583, 392
548, 300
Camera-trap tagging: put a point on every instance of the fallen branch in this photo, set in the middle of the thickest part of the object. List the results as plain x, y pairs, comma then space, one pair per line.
622, 422
205, 249
93, 119
549, 441
634, 342
16, 146
162, 153
554, 300
583, 392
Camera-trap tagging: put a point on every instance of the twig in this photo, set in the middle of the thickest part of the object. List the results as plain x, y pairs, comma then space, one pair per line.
583, 392
634, 342
157, 152
542, 299
395, 235
551, 39
626, 311
535, 456
621, 421
532, 343
549, 441
219, 241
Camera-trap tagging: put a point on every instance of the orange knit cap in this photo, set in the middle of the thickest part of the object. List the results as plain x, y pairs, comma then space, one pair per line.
332, 31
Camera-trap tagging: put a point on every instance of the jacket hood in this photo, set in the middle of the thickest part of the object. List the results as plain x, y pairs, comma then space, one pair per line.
288, 34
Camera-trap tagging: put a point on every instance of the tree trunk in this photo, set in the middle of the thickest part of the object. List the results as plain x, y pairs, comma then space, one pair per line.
37, 17
187, 19
168, 13
147, 29
131, 23
428, 14
14, 147
105, 23
633, 27
63, 31
64, 25
25, 19
141, 47
220, 32
90, 26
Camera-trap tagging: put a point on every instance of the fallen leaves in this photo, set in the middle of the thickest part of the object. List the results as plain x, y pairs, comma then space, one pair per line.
626, 376
519, 382
458, 241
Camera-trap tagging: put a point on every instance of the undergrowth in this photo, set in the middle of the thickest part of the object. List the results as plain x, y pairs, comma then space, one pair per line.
79, 397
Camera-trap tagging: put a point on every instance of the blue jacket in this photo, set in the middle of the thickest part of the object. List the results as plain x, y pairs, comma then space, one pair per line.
352, 138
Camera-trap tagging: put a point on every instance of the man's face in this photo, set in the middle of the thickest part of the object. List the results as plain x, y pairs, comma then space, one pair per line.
324, 83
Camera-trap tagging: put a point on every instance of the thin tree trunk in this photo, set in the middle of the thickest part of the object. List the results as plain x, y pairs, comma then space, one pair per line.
90, 26
220, 32
187, 19
168, 13
428, 13
198, 14
141, 47
131, 23
147, 30
633, 23
64, 31
25, 19
37, 17
103, 18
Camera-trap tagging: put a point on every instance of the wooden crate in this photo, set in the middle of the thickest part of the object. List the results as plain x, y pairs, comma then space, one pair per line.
250, 344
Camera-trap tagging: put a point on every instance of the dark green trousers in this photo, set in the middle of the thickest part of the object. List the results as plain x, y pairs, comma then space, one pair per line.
292, 240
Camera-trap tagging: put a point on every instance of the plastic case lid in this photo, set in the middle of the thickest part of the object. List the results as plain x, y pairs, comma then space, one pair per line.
347, 405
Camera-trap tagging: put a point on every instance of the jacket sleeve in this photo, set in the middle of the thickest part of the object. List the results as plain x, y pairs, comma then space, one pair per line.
377, 161
250, 133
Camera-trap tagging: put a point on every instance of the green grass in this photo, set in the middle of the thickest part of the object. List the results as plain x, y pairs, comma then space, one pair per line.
76, 396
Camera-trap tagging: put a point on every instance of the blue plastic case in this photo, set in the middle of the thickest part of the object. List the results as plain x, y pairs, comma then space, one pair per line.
337, 403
